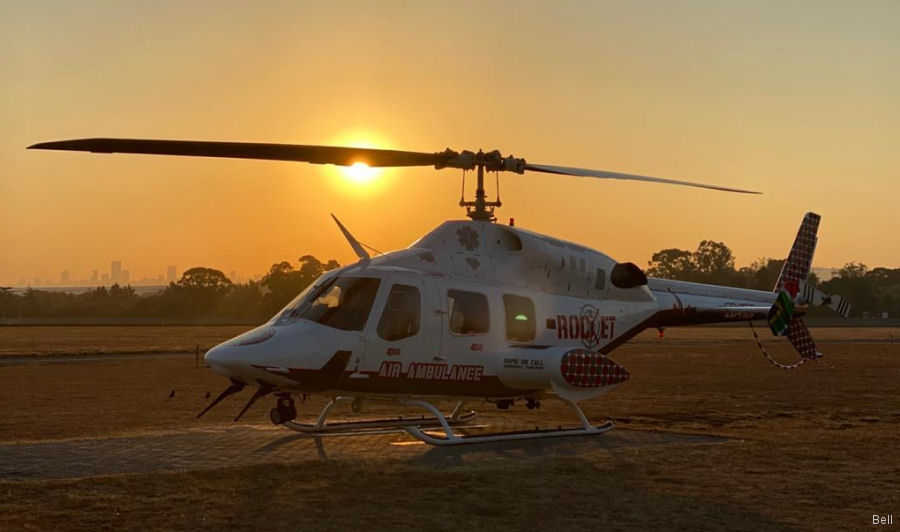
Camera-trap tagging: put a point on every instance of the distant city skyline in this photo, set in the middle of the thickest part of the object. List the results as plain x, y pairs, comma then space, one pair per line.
173, 274
117, 275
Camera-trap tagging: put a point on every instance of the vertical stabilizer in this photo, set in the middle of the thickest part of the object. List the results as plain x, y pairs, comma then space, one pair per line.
790, 287
796, 267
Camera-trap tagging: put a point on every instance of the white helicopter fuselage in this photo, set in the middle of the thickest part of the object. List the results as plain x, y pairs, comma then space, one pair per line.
471, 310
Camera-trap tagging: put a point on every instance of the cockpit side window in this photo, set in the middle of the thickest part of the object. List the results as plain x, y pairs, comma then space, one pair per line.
343, 303
468, 312
520, 324
401, 315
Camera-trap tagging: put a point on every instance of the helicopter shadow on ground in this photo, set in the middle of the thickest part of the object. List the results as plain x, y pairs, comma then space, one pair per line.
331, 447
567, 446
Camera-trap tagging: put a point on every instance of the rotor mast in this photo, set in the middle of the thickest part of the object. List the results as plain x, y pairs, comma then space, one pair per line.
480, 210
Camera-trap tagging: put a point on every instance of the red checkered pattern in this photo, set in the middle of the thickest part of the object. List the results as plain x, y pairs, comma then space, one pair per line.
588, 369
800, 338
796, 267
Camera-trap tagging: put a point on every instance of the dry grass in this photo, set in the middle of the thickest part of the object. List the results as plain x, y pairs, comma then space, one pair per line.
66, 340
814, 448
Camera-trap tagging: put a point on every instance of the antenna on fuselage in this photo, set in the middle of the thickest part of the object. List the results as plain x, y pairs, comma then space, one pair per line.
354, 243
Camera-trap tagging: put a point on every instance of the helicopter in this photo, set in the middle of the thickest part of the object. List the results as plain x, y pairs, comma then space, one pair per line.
472, 311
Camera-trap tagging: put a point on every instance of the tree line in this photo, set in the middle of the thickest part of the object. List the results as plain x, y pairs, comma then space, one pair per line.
206, 294
870, 292
202, 294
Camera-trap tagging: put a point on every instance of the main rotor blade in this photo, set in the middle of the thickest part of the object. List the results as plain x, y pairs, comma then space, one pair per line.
342, 156
584, 172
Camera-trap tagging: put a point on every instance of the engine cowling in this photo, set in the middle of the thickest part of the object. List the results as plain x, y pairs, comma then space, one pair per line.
573, 373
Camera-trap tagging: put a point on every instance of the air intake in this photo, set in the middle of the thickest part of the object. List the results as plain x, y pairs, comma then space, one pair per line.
627, 275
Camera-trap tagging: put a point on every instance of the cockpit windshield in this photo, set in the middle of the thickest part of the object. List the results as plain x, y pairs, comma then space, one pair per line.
340, 302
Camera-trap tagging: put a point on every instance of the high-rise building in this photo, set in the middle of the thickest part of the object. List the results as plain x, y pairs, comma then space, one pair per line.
64, 277
171, 273
125, 276
95, 276
115, 271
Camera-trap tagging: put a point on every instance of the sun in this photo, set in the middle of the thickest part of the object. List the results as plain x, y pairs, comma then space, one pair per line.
360, 173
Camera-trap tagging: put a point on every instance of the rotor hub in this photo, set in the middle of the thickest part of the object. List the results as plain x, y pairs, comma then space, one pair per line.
492, 161
480, 209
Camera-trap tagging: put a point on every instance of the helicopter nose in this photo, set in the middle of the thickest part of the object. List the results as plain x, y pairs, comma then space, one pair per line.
214, 355
226, 360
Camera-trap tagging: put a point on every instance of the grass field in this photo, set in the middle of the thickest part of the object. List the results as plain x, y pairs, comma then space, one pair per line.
812, 449
66, 340
69, 340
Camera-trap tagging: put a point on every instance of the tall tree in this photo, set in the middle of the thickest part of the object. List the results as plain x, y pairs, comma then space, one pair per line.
206, 280
283, 282
713, 262
672, 264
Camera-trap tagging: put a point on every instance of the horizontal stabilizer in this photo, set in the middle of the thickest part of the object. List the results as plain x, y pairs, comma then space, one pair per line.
813, 296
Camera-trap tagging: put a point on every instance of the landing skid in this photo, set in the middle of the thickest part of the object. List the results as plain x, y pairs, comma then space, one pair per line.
322, 428
450, 438
424, 428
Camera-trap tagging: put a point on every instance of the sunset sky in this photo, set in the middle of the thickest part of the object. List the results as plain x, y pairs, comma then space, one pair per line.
796, 99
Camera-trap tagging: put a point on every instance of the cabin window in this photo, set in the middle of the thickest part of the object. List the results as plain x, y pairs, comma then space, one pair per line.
342, 303
400, 318
600, 282
468, 312
520, 325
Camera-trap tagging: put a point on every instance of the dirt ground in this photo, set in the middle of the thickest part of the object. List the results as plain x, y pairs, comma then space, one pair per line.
709, 436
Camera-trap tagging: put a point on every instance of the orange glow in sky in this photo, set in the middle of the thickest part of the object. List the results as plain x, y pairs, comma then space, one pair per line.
797, 100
